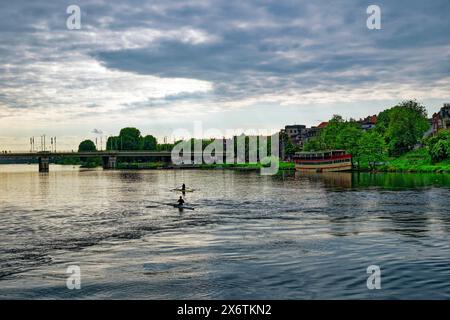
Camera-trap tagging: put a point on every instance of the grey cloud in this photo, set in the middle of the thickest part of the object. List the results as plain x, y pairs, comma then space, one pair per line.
259, 47
243, 59
97, 131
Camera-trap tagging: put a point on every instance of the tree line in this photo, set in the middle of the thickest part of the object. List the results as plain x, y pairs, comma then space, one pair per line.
129, 139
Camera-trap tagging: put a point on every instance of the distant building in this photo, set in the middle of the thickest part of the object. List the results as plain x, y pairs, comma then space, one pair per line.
298, 135
322, 125
441, 119
295, 133
368, 123
294, 130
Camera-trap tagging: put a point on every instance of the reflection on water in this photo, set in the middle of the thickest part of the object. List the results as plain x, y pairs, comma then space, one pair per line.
329, 179
392, 181
289, 236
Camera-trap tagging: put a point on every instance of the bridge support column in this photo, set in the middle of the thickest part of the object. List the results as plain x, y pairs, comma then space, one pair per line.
44, 164
109, 162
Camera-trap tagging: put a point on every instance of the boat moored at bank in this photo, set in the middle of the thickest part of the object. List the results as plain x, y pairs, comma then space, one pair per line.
323, 161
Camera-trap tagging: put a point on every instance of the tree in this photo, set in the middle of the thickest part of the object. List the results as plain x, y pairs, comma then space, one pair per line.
87, 146
371, 149
165, 147
289, 148
439, 146
348, 136
112, 143
383, 120
415, 106
315, 144
403, 126
330, 133
338, 134
88, 162
130, 139
149, 143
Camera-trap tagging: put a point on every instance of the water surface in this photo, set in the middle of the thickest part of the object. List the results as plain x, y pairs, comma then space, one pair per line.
250, 237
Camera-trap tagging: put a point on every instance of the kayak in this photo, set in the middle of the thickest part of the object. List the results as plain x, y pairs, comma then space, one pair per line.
185, 190
182, 206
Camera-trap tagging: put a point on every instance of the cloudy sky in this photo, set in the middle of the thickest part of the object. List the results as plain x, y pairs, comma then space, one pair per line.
161, 65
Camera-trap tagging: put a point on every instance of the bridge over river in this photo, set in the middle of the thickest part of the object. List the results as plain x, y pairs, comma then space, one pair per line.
109, 158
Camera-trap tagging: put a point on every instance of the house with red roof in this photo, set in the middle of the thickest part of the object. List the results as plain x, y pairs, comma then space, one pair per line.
441, 119
368, 122
322, 125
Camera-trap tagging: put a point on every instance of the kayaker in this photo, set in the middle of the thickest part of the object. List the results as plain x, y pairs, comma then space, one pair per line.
183, 187
180, 201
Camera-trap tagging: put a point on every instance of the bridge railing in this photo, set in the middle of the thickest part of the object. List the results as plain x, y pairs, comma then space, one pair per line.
35, 151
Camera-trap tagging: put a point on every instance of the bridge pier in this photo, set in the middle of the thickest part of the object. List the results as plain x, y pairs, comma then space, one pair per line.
44, 164
109, 162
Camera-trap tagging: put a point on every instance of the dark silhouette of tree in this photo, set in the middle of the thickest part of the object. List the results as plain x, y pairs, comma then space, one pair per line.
149, 143
86, 146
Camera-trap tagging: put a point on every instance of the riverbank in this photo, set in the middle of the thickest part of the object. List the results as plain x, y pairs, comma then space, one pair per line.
416, 161
234, 166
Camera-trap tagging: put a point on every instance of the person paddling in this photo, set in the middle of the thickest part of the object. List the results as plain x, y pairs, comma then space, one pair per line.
180, 201
183, 187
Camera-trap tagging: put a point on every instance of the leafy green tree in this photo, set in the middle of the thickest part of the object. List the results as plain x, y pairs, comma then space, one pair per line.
149, 143
403, 126
371, 149
338, 134
289, 148
439, 146
165, 147
86, 146
88, 162
329, 134
440, 151
348, 137
130, 139
383, 120
315, 144
112, 143
415, 107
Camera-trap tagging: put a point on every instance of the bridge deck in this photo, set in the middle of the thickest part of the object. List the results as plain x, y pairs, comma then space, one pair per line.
91, 154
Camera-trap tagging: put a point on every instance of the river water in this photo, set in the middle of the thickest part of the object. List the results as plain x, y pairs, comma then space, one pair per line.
287, 236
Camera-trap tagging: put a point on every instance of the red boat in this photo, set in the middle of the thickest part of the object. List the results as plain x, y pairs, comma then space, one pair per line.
323, 161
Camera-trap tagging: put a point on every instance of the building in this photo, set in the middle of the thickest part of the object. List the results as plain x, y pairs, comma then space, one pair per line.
298, 134
368, 123
295, 133
441, 119
322, 125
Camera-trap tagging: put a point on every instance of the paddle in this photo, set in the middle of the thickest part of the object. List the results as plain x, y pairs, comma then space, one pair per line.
173, 205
